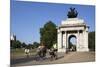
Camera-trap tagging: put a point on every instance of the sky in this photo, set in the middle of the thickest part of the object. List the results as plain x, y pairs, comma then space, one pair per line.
28, 17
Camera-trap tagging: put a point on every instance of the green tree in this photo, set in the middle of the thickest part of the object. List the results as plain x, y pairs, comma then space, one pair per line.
36, 44
48, 34
18, 44
23, 45
15, 44
30, 46
92, 41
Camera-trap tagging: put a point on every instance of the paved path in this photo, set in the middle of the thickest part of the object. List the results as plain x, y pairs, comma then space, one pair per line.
72, 57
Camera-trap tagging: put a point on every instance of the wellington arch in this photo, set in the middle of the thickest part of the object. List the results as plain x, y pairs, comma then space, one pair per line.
72, 26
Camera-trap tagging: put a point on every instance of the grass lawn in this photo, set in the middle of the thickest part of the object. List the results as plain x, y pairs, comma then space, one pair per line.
17, 53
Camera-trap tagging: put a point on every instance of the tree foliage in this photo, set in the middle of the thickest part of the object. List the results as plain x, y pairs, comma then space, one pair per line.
30, 46
36, 44
23, 45
48, 34
92, 41
15, 44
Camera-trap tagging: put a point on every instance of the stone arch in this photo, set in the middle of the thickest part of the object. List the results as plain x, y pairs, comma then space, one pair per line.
76, 27
72, 47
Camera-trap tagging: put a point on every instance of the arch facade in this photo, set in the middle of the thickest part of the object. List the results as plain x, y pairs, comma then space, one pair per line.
76, 27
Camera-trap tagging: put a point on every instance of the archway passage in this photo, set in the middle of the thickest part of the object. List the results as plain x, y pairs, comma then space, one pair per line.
72, 43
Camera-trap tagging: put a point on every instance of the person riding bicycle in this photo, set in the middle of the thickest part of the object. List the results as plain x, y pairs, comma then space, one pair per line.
53, 52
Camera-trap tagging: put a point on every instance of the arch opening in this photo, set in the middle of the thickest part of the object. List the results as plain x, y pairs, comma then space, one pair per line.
72, 43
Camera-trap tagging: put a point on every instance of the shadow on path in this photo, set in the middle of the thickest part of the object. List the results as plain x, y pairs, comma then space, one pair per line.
22, 60
60, 57
31, 58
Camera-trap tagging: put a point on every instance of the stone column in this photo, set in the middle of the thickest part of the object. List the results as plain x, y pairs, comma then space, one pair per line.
81, 42
67, 44
64, 40
60, 41
86, 39
78, 44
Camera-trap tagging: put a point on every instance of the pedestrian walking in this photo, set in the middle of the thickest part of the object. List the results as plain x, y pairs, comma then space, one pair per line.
27, 52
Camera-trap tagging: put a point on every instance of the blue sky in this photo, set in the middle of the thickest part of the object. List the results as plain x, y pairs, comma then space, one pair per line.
28, 17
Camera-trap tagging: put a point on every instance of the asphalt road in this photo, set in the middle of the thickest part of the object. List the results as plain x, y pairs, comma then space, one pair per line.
72, 57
